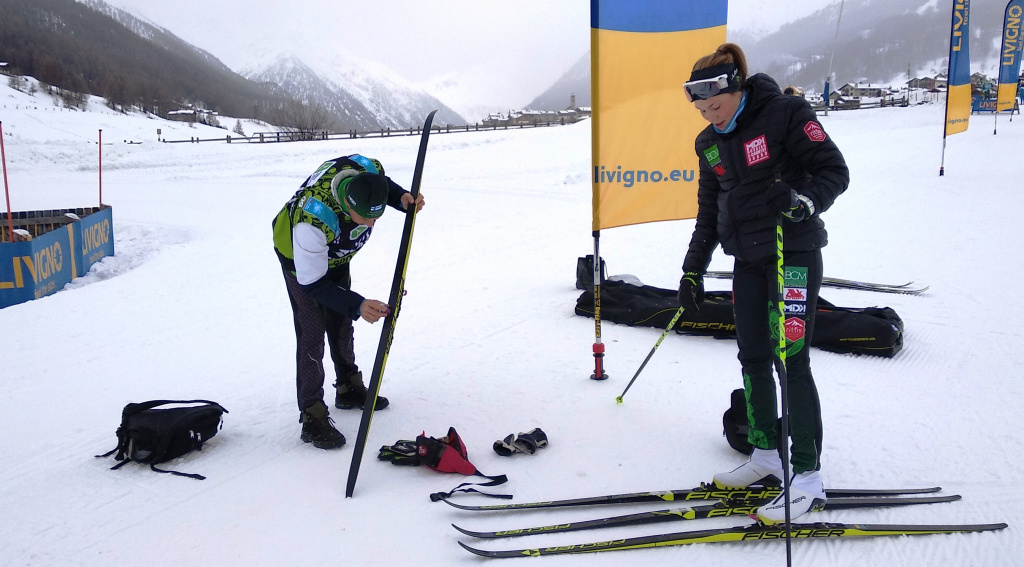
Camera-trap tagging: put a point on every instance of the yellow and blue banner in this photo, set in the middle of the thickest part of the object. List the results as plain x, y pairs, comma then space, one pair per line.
958, 97
644, 168
44, 265
1009, 60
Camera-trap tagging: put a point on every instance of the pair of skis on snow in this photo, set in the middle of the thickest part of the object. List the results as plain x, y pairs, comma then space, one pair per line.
742, 502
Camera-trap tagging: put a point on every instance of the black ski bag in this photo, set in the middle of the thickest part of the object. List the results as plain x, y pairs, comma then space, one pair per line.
152, 434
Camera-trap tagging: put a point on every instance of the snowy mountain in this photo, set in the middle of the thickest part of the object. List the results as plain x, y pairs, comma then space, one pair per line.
359, 95
879, 41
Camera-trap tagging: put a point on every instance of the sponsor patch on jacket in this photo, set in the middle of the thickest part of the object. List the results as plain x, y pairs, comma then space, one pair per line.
757, 150
796, 308
796, 294
795, 327
795, 276
322, 212
714, 159
320, 171
366, 162
814, 132
356, 232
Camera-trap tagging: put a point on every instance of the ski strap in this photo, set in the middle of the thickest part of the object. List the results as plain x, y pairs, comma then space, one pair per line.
470, 487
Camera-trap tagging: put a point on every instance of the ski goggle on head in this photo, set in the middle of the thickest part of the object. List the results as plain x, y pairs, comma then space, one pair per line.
716, 80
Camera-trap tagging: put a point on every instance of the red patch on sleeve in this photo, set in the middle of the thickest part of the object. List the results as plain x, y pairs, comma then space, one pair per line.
814, 132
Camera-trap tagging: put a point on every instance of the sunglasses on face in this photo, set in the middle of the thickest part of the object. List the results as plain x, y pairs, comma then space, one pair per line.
704, 89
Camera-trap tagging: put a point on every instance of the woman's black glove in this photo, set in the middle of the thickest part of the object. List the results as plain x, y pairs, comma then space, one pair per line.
691, 291
784, 200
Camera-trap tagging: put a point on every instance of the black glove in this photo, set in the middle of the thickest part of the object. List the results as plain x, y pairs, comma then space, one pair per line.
784, 200
691, 291
402, 453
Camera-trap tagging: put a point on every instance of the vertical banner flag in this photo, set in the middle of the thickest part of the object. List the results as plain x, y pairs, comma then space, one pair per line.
644, 164
1009, 60
958, 97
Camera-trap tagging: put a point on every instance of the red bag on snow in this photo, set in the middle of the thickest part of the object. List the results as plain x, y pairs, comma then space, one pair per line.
449, 454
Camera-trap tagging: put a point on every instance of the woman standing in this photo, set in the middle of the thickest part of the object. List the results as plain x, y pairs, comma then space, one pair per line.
764, 159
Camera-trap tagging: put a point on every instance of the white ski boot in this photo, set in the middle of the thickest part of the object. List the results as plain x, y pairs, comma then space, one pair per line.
764, 467
806, 493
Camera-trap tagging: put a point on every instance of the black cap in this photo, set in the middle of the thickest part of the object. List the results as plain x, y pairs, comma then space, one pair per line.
367, 194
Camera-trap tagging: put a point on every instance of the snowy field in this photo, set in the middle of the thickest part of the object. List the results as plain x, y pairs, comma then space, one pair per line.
193, 306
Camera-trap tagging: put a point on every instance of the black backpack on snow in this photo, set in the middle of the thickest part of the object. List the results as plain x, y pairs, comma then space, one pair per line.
735, 425
151, 434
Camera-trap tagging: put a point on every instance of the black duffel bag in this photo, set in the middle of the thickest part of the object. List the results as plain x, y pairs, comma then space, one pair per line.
876, 331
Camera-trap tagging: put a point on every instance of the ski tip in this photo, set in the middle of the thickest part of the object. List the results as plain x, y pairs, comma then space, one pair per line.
466, 532
474, 550
459, 506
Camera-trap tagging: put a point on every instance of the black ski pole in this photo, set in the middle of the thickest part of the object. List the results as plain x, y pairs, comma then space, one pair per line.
387, 333
783, 379
664, 334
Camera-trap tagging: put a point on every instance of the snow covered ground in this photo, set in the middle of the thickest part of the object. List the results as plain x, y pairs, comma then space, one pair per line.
193, 306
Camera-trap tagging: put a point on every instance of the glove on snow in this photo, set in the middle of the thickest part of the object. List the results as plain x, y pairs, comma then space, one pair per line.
526, 443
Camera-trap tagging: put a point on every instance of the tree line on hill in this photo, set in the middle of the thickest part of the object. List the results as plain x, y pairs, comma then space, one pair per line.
89, 47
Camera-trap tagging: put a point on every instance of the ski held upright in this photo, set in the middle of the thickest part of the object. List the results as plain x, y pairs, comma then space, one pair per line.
395, 303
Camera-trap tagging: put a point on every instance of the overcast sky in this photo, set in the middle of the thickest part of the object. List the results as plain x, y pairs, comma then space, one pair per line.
422, 40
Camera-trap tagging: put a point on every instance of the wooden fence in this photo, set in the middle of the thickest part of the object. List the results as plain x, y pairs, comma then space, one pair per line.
285, 136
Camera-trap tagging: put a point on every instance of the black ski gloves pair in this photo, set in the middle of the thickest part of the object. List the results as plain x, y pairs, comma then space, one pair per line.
526, 443
691, 291
402, 453
784, 200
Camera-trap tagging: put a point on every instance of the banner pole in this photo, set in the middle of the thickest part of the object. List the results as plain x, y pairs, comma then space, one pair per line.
599, 373
101, 167
7, 191
942, 164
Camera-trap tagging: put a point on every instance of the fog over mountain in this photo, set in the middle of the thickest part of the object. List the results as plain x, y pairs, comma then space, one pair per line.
878, 41
882, 42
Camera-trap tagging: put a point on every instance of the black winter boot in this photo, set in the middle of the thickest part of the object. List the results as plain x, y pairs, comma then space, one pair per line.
351, 394
318, 428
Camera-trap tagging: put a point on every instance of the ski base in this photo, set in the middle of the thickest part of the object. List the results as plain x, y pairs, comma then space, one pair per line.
755, 532
719, 510
700, 493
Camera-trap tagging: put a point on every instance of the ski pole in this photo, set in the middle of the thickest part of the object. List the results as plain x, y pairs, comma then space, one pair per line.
664, 334
783, 379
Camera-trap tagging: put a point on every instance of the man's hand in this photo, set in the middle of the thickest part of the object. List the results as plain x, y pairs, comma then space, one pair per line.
372, 310
407, 200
